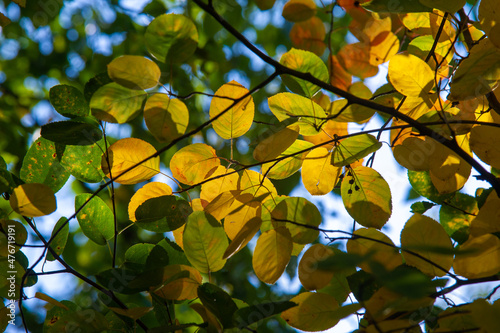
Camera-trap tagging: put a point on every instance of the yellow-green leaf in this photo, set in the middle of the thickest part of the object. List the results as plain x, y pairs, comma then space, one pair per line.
134, 72
299, 10
95, 218
410, 75
309, 275
300, 217
148, 191
273, 145
485, 142
192, 164
478, 74
316, 312
479, 257
166, 118
354, 148
126, 153
33, 200
377, 247
367, 197
305, 62
116, 104
489, 18
171, 38
309, 114
414, 153
180, 282
318, 174
287, 166
213, 188
236, 120
486, 220
427, 238
204, 242
272, 253
243, 236
220, 206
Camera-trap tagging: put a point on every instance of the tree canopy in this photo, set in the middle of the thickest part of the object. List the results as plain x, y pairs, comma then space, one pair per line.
151, 151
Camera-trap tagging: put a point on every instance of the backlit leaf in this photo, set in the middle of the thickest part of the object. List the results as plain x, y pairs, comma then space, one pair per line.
243, 209
367, 197
220, 206
83, 162
242, 238
166, 118
126, 153
68, 101
191, 164
450, 6
273, 145
235, 121
309, 35
41, 165
163, 213
414, 153
95, 219
78, 132
387, 6
148, 191
116, 104
305, 62
309, 114
427, 238
479, 257
218, 302
204, 242
355, 58
310, 276
318, 174
456, 215
486, 221
410, 75
179, 282
488, 16
171, 38
134, 72
212, 188
485, 142
422, 184
377, 247
354, 148
33, 200
246, 316
59, 242
299, 10
287, 166
300, 217
272, 253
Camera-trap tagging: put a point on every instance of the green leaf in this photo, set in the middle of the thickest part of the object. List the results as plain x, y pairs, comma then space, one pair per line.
41, 165
354, 148
422, 184
305, 62
77, 132
83, 162
7, 183
176, 255
121, 280
363, 285
59, 241
449, 6
162, 214
94, 84
218, 302
246, 316
457, 214
300, 217
409, 281
389, 6
116, 104
137, 255
69, 101
204, 242
171, 38
421, 206
134, 72
84, 321
367, 197
95, 219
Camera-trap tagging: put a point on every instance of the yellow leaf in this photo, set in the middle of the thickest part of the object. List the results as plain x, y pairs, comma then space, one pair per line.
235, 121
488, 16
192, 164
33, 200
272, 253
213, 188
448, 171
134, 72
148, 191
339, 76
287, 166
355, 58
383, 47
255, 184
486, 221
241, 212
415, 107
273, 145
299, 10
178, 236
309, 35
328, 132
414, 153
242, 238
180, 283
309, 275
316, 312
369, 244
126, 153
166, 118
410, 75
427, 238
367, 197
485, 142
318, 174
480, 257
204, 242
208, 317
50, 300
220, 206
